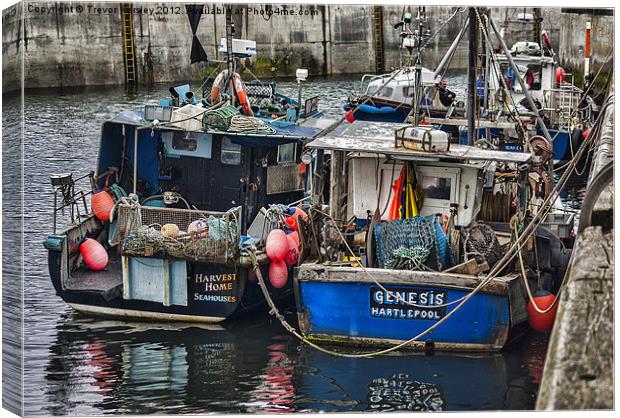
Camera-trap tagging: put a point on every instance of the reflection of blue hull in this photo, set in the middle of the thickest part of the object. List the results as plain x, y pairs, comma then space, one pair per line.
422, 383
355, 310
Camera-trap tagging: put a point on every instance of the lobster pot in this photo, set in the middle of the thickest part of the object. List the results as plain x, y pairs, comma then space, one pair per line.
146, 231
220, 118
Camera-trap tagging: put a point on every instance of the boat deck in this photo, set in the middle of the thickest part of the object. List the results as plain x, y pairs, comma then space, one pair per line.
108, 281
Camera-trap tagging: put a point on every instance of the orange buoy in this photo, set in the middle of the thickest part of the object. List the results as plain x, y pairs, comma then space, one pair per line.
293, 220
541, 322
94, 255
276, 246
292, 255
278, 274
102, 203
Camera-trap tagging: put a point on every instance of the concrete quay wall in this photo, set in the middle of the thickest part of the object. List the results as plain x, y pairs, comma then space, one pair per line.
79, 43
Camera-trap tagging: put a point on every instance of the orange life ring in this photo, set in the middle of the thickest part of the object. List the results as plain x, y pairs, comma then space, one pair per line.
218, 85
241, 95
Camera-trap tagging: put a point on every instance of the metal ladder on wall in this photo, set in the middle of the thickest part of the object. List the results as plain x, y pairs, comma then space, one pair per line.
378, 37
129, 50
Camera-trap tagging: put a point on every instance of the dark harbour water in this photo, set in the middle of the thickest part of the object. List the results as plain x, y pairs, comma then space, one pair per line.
76, 365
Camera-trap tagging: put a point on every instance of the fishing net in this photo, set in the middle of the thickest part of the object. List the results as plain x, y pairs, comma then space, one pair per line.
219, 118
481, 243
209, 237
417, 243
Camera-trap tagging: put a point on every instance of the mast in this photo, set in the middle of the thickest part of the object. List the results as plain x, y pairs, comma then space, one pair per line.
471, 76
230, 63
418, 67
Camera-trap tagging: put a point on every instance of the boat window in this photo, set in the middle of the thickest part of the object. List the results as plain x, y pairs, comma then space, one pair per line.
231, 153
184, 141
386, 92
286, 153
436, 187
408, 91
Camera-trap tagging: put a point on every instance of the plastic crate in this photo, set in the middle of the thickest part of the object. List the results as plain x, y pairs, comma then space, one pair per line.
188, 118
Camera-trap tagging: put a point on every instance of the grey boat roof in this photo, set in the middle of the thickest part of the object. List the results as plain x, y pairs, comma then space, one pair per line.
378, 138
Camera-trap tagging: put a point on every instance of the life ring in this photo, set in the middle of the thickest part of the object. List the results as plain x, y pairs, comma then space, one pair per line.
218, 86
241, 95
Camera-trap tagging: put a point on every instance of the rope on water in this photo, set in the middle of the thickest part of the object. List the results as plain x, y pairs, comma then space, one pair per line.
250, 125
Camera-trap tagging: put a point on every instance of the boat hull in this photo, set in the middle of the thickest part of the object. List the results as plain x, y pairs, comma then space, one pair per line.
343, 305
105, 293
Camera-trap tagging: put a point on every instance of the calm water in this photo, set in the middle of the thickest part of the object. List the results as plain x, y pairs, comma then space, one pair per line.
81, 366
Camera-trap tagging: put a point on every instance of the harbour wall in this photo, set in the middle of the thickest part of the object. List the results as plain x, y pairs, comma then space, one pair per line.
579, 368
78, 44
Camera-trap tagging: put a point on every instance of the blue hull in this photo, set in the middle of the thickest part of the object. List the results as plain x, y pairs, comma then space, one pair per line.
357, 311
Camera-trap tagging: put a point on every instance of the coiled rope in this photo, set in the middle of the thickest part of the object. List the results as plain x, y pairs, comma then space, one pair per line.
250, 125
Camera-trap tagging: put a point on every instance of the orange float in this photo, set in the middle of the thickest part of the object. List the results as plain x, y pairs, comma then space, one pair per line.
102, 203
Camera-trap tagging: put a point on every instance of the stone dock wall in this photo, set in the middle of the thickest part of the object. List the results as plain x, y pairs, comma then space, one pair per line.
579, 367
78, 43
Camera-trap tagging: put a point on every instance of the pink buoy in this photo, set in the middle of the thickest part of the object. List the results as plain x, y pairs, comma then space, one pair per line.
278, 274
560, 75
198, 228
292, 256
102, 203
276, 246
94, 255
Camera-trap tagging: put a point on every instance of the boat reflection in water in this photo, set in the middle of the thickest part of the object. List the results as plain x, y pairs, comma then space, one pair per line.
100, 367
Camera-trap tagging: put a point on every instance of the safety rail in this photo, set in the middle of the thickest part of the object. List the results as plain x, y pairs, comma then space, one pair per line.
65, 186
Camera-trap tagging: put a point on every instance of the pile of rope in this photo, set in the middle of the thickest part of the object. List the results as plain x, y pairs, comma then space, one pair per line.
250, 125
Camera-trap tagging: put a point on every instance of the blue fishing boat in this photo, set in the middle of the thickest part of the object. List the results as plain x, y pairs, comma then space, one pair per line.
157, 230
408, 238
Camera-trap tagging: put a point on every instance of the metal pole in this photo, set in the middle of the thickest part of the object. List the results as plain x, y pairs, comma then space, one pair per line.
526, 91
418, 71
229, 53
471, 77
135, 160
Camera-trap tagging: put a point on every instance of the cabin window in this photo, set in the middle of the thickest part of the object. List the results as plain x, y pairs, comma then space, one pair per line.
387, 92
286, 153
437, 187
408, 91
191, 144
184, 141
231, 153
